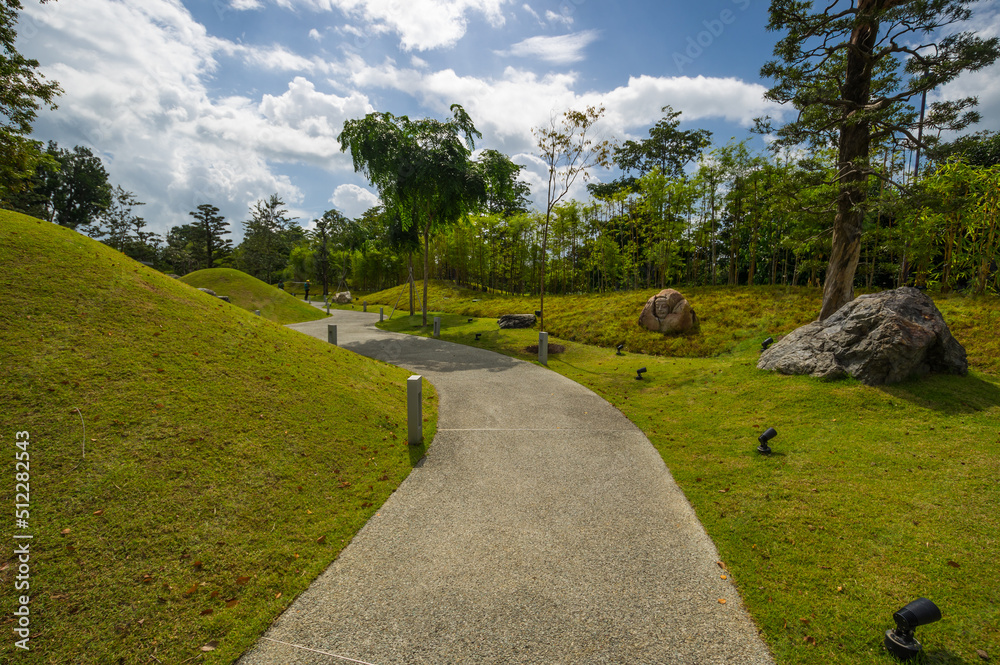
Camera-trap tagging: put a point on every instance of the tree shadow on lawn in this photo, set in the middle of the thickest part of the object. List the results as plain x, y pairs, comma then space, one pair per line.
948, 393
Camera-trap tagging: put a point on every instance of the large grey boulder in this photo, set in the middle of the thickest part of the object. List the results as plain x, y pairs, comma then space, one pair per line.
208, 291
516, 321
876, 338
342, 298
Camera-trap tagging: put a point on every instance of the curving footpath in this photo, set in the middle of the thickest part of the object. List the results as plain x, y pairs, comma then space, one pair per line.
542, 527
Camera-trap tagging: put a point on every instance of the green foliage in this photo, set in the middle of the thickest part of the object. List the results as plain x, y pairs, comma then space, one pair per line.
667, 149
210, 246
268, 238
422, 168
23, 92
69, 187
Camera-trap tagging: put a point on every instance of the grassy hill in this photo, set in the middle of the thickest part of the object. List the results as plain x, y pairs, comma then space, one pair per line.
731, 318
193, 467
252, 294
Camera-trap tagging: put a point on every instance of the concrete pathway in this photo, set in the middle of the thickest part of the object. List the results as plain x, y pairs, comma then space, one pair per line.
542, 527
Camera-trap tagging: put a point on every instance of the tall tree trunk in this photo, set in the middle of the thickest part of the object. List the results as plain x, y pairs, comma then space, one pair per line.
855, 142
427, 263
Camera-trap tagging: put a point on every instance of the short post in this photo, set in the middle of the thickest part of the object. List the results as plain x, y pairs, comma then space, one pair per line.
543, 348
414, 417
381, 314
331, 333
364, 305
437, 326
257, 312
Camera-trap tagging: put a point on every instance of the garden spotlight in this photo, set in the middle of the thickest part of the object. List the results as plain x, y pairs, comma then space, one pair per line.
620, 347
470, 320
477, 336
538, 313
763, 448
900, 641
639, 372
766, 343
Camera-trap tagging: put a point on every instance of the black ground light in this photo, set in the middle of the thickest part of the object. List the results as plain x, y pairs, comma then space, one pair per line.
766, 343
763, 448
538, 313
470, 320
477, 336
900, 641
639, 372
620, 347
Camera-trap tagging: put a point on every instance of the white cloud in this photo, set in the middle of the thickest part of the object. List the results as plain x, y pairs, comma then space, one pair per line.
526, 7
314, 34
241, 5
560, 50
134, 79
552, 17
421, 24
353, 200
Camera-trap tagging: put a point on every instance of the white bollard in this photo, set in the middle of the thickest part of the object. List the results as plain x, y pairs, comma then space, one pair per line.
543, 348
414, 416
437, 326
331, 334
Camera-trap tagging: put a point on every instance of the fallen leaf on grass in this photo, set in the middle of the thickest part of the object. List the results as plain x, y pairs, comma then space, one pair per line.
721, 565
99, 512
982, 654
277, 595
196, 564
214, 594
242, 580
64, 531
208, 611
954, 564
210, 646
321, 539
194, 587
232, 602
810, 640
805, 621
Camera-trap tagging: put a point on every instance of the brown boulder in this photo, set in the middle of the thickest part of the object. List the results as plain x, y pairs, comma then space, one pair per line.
668, 312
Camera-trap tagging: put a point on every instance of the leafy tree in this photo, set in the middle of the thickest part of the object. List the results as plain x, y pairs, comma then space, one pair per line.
505, 194
568, 150
835, 66
69, 188
210, 246
422, 168
666, 149
979, 149
23, 91
180, 253
268, 238
117, 226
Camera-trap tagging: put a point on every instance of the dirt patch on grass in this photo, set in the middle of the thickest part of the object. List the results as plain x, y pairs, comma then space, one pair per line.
553, 348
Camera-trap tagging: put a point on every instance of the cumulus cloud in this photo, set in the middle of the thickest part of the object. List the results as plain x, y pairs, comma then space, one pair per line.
560, 50
353, 200
421, 24
315, 35
134, 76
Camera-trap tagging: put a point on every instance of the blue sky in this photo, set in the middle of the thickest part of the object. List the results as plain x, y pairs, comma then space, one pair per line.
229, 101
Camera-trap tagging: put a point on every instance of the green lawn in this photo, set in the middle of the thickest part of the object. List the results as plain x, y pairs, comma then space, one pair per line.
252, 294
872, 498
193, 467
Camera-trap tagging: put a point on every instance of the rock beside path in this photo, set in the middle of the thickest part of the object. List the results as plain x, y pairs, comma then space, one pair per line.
342, 298
877, 338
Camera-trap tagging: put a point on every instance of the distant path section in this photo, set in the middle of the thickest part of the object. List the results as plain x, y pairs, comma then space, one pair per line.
542, 527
